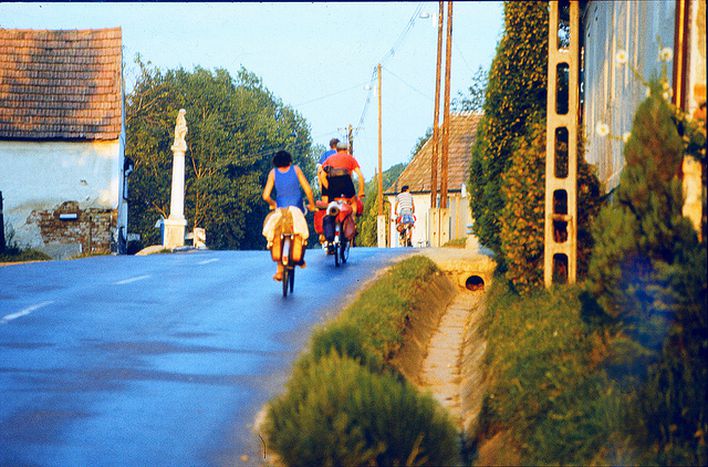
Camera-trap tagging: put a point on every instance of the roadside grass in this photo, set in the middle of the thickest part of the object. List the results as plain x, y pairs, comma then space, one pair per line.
546, 387
456, 243
16, 255
345, 405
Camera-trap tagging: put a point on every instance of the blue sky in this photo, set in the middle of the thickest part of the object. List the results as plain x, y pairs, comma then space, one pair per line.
317, 57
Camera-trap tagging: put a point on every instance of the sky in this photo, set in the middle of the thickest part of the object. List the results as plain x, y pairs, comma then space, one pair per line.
316, 57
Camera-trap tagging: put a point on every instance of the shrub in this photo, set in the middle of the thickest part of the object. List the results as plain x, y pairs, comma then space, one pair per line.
516, 90
337, 412
347, 340
522, 218
647, 272
15, 255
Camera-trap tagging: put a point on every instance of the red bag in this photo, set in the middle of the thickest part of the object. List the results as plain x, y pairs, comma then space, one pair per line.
349, 228
359, 206
319, 215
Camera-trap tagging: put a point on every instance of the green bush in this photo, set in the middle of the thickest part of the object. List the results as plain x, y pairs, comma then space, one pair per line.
522, 217
648, 275
347, 340
516, 90
337, 412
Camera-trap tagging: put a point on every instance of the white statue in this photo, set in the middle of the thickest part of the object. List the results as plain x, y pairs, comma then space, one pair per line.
180, 132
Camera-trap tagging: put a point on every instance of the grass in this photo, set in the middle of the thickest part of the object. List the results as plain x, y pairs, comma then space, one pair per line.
456, 243
344, 405
16, 255
546, 387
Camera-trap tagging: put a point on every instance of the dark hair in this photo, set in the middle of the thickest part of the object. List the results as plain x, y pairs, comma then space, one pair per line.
404, 187
282, 159
333, 142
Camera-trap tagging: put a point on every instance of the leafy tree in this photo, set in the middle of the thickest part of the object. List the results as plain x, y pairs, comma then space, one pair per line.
515, 91
421, 142
473, 101
235, 125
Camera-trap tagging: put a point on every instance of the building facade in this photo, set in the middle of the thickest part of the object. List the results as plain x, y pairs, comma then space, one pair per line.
417, 175
62, 138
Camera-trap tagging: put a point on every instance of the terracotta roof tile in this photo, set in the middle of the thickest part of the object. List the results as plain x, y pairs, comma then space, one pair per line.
463, 131
60, 84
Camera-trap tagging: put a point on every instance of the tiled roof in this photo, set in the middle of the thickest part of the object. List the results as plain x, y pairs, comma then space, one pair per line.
463, 131
60, 84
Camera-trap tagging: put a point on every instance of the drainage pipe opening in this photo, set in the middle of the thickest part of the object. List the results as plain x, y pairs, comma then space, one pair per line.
474, 283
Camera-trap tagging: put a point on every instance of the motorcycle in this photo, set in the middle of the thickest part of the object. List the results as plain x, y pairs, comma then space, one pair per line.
338, 228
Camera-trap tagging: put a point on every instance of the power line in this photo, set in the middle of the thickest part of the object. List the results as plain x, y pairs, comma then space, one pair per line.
409, 85
329, 95
391, 52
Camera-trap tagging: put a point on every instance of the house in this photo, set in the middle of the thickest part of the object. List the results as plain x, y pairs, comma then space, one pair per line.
62, 138
417, 175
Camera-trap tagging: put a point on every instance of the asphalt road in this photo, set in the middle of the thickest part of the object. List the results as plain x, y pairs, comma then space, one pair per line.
156, 360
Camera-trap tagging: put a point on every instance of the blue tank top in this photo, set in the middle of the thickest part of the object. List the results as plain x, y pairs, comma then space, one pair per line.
287, 188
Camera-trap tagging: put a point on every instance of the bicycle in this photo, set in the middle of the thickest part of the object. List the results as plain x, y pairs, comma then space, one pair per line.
340, 231
286, 242
287, 249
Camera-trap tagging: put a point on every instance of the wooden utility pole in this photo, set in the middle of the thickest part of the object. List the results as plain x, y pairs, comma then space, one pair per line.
380, 219
436, 115
380, 196
350, 138
446, 114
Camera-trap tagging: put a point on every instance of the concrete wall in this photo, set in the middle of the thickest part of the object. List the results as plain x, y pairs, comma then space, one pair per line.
38, 178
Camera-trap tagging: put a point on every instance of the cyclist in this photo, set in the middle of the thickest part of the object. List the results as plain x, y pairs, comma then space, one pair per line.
337, 177
332, 150
287, 179
405, 208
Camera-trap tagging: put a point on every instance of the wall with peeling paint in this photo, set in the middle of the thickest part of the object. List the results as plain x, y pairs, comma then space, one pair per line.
38, 178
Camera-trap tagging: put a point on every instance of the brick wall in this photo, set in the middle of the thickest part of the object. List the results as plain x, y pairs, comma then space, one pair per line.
92, 228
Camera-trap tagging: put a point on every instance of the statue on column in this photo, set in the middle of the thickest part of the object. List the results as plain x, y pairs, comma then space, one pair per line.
180, 132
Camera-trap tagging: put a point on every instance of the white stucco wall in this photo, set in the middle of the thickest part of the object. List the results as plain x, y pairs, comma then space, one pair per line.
42, 175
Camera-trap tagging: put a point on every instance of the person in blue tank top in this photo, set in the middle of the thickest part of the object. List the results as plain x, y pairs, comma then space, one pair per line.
289, 183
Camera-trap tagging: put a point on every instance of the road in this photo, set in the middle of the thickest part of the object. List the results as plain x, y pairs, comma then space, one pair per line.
155, 360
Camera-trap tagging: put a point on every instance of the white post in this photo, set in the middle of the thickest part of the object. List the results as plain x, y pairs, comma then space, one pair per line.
381, 230
175, 224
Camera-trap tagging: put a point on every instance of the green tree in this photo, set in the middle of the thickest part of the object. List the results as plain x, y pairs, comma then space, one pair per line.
515, 91
473, 100
235, 125
648, 274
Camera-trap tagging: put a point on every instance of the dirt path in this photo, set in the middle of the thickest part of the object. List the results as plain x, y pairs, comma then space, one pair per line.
452, 369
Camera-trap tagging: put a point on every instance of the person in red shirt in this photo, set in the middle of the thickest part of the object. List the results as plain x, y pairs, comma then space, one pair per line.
336, 175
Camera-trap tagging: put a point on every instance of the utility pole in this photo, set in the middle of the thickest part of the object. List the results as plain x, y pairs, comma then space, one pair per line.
434, 213
446, 114
350, 138
444, 211
2, 227
380, 219
436, 115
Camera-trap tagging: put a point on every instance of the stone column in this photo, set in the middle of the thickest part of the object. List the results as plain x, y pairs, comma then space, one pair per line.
175, 224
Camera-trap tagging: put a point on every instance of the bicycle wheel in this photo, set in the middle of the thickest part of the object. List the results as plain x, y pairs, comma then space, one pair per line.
292, 279
344, 251
286, 280
336, 256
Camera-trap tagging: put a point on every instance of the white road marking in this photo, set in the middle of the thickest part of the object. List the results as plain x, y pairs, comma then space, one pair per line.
132, 279
25, 312
207, 261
